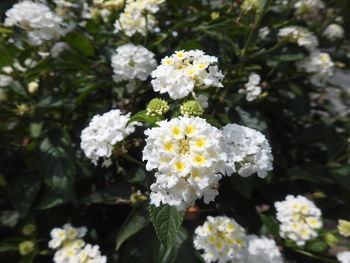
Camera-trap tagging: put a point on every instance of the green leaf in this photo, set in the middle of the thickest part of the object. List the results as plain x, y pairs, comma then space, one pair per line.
212, 120
143, 117
109, 194
4, 30
81, 42
190, 45
139, 248
317, 246
50, 199
136, 220
7, 246
271, 224
86, 91
22, 191
35, 129
166, 222
342, 176
290, 57
56, 164
9, 218
244, 185
163, 254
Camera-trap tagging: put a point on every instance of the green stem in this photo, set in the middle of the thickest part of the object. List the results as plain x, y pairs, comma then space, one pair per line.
279, 44
131, 159
306, 253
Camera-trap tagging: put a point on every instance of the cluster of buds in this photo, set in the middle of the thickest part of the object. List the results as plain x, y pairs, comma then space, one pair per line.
157, 107
191, 108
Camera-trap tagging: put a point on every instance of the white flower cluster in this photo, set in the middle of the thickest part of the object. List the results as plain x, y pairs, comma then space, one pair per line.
103, 132
188, 154
222, 239
334, 32
320, 64
302, 36
308, 7
133, 19
344, 257
72, 248
300, 219
180, 73
248, 150
262, 250
36, 18
132, 62
252, 88
6, 80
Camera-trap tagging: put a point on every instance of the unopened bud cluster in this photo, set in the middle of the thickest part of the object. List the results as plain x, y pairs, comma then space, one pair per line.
157, 106
191, 108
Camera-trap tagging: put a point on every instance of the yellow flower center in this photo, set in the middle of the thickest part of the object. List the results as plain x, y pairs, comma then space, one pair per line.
200, 143
179, 166
199, 159
168, 61
180, 55
176, 131
169, 147
190, 129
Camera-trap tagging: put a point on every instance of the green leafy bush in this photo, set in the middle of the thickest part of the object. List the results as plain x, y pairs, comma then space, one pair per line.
275, 68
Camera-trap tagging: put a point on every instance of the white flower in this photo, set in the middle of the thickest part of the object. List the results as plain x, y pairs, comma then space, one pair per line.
222, 240
188, 154
279, 5
202, 100
320, 64
33, 86
334, 32
252, 88
103, 132
132, 62
248, 150
299, 217
308, 6
63, 3
302, 36
6, 80
133, 19
40, 22
344, 257
184, 71
71, 248
58, 48
263, 32
262, 250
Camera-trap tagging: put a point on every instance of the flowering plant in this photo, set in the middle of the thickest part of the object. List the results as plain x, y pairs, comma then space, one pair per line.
174, 131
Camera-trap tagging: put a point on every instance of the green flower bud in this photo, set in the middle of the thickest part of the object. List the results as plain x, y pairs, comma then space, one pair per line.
157, 106
113, 4
250, 4
33, 86
26, 247
344, 228
22, 109
137, 197
214, 15
331, 239
191, 108
28, 229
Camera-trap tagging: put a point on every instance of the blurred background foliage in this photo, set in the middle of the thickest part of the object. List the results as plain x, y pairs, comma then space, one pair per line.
45, 180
